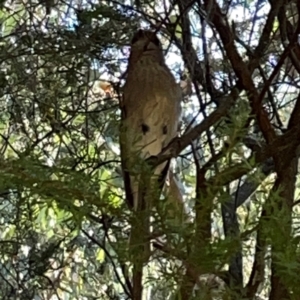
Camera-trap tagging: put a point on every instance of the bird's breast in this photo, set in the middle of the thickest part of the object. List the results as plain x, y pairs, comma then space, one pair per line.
152, 104
150, 81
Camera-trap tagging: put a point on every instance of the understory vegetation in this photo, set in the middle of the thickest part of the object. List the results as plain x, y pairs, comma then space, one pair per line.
228, 223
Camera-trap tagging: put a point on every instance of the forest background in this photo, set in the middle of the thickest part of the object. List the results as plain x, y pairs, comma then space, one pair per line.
64, 224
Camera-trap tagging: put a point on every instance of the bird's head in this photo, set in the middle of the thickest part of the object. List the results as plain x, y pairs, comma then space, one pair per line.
145, 42
145, 39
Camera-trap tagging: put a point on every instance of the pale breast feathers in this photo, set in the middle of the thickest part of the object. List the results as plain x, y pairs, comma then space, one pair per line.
151, 98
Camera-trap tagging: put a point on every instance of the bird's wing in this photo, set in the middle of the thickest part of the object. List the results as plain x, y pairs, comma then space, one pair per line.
151, 110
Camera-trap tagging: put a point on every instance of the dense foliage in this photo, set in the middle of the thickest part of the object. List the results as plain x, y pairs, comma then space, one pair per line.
228, 226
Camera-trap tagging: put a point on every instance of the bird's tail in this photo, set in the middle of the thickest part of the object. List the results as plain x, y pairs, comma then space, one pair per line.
139, 241
143, 195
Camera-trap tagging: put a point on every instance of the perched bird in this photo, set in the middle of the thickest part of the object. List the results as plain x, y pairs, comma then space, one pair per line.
150, 116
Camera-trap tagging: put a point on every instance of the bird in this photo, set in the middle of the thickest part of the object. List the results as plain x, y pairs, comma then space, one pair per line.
150, 114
